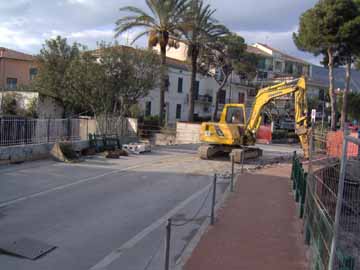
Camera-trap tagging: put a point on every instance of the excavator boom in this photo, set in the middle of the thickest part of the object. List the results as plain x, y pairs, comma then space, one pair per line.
266, 95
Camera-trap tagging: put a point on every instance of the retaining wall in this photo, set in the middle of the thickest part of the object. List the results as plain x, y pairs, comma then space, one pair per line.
187, 133
21, 153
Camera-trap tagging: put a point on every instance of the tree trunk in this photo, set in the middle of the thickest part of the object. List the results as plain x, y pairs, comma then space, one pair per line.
344, 110
214, 116
162, 85
194, 56
221, 87
332, 90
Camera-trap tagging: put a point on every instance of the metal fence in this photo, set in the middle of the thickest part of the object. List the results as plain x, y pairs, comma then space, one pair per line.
332, 205
20, 131
115, 126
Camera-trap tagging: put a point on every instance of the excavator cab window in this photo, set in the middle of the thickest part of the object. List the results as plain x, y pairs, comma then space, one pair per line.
235, 115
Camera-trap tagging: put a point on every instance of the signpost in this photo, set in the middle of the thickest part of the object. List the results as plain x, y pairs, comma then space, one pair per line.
313, 116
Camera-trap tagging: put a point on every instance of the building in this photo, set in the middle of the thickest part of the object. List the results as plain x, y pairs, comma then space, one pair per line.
16, 69
177, 94
273, 64
19, 69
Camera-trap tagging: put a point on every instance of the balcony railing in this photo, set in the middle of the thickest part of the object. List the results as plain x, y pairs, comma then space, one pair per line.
204, 99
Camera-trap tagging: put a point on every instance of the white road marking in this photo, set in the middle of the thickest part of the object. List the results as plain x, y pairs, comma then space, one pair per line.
114, 255
84, 180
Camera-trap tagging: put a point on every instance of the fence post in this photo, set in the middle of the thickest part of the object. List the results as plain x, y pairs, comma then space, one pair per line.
293, 166
69, 129
339, 204
48, 130
303, 195
232, 174
359, 145
307, 187
243, 160
87, 127
212, 216
167, 247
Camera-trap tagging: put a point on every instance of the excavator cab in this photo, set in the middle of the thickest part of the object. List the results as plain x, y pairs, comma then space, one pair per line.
229, 130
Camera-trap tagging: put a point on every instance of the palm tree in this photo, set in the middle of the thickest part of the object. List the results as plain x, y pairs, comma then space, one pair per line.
161, 26
199, 29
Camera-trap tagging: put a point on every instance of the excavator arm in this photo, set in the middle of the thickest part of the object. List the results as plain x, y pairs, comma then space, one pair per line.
266, 95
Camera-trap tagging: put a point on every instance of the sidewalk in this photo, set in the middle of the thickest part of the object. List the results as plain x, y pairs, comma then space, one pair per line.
257, 229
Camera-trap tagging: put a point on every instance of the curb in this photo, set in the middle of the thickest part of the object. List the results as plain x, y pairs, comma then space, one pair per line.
180, 263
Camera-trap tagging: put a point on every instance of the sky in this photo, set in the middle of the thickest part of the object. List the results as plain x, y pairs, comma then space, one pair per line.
26, 24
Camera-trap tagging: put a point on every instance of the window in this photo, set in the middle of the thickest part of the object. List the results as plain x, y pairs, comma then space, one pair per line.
11, 83
278, 66
180, 85
241, 98
178, 111
148, 108
167, 83
222, 96
33, 72
261, 63
196, 90
262, 75
289, 68
235, 115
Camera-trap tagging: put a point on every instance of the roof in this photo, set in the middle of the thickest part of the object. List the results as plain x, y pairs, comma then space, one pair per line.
175, 63
254, 50
12, 54
284, 55
171, 62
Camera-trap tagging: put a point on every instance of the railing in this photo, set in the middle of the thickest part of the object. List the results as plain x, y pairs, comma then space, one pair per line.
299, 177
36, 131
328, 191
204, 98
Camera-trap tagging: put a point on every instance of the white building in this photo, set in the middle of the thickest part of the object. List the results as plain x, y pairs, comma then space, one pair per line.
177, 94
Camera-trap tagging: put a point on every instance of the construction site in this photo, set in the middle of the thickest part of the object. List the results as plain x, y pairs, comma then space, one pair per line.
180, 135
116, 194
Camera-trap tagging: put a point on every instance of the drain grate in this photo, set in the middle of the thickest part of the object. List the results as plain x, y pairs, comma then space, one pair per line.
26, 248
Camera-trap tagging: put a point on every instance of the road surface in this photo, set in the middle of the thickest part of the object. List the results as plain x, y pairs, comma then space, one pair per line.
108, 214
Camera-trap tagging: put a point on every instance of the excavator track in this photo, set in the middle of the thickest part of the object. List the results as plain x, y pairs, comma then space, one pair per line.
207, 152
239, 155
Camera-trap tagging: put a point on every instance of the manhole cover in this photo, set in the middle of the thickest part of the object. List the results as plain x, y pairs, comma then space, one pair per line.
27, 248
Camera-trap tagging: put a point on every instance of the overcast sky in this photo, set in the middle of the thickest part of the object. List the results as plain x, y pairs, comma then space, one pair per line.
25, 24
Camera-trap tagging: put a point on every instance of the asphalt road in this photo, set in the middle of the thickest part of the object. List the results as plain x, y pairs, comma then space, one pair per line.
106, 214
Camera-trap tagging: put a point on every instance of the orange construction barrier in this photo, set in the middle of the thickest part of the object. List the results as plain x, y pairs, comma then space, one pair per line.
264, 135
334, 144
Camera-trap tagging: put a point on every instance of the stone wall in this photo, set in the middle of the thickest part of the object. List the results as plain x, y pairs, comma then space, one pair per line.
187, 133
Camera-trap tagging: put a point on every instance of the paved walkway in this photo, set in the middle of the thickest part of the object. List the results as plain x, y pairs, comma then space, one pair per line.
257, 229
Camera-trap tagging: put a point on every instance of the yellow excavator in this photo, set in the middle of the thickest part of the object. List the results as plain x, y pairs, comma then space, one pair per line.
234, 134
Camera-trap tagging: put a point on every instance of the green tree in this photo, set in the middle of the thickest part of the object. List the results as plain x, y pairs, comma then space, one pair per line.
350, 48
112, 79
225, 56
54, 60
160, 26
10, 104
319, 32
132, 73
199, 29
353, 105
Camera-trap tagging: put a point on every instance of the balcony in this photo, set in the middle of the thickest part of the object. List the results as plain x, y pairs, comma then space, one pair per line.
205, 99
